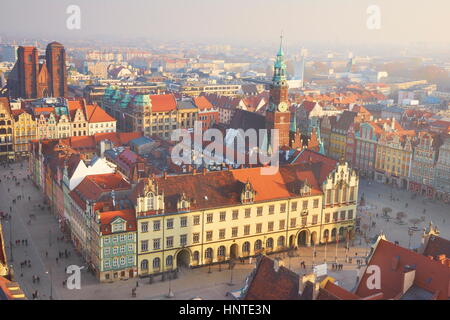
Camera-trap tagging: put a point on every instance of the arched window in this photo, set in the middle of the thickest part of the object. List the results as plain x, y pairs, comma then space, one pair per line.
169, 260
280, 241
258, 245
209, 253
195, 256
333, 233
269, 243
144, 264
221, 251
246, 247
326, 234
156, 263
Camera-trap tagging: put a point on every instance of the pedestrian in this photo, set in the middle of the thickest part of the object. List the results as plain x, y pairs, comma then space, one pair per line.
56, 259
38, 279
34, 279
46, 254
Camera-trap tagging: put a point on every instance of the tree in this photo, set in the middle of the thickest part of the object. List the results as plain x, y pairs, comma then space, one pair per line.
386, 211
401, 215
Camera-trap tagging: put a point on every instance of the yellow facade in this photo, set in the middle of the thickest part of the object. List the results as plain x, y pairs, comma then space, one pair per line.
337, 145
393, 159
24, 132
195, 238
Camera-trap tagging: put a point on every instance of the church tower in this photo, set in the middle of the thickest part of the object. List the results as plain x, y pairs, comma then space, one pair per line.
278, 114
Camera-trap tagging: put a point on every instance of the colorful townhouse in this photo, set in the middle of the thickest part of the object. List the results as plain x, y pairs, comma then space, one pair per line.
394, 158
425, 156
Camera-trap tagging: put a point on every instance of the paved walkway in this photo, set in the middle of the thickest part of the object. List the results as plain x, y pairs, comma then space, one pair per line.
43, 248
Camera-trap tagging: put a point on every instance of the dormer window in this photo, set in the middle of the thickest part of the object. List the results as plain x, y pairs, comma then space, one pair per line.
305, 190
248, 193
184, 203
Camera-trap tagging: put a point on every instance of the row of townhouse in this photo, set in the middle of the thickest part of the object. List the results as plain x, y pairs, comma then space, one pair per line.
48, 118
157, 115
126, 228
384, 151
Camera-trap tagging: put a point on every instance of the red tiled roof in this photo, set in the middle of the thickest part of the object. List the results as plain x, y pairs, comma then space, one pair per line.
268, 284
93, 186
430, 275
95, 113
109, 216
202, 103
331, 291
223, 188
163, 102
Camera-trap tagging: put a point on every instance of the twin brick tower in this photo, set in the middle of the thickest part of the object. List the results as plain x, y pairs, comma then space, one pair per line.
38, 77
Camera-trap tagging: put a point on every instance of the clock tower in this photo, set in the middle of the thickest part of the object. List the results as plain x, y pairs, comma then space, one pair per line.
278, 114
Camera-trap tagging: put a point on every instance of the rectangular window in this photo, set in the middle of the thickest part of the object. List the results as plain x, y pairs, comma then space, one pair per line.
247, 212
259, 228
281, 225
235, 214
144, 227
315, 219
169, 242
271, 209
350, 214
144, 245
234, 232
294, 206
156, 225
316, 203
293, 222
304, 221
342, 215
169, 223
246, 230
259, 211
223, 215
196, 237
283, 208
222, 234
156, 244
327, 218
183, 240
209, 235
209, 218
270, 226
305, 205
183, 222
196, 220
335, 216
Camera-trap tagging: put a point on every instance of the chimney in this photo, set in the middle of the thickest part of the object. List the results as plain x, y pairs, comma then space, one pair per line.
204, 171
194, 172
165, 175
277, 263
442, 258
408, 278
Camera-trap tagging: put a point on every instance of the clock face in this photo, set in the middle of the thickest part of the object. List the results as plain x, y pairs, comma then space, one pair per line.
282, 107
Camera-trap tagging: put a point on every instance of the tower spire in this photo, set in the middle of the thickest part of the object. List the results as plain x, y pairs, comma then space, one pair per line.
280, 51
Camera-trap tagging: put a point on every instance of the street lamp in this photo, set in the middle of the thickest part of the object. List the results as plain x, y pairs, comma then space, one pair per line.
326, 242
170, 293
51, 282
231, 273
10, 239
410, 233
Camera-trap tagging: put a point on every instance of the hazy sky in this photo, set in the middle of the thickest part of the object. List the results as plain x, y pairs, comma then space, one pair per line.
327, 21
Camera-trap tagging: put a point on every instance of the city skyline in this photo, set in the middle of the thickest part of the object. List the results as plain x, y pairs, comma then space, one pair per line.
324, 22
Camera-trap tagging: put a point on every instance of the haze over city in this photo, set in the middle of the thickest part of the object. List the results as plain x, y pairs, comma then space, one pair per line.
225, 150
233, 21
